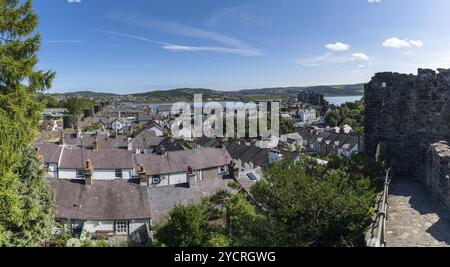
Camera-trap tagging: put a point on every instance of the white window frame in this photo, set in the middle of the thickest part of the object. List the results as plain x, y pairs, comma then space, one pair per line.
116, 172
121, 227
222, 169
156, 178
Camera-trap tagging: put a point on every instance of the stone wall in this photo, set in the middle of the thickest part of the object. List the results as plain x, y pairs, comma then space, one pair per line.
405, 114
436, 171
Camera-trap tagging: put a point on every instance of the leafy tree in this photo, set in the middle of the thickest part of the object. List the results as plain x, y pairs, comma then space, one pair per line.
49, 100
332, 118
298, 204
61, 239
351, 114
19, 108
186, 227
286, 125
37, 203
239, 215
307, 206
347, 121
76, 106
218, 241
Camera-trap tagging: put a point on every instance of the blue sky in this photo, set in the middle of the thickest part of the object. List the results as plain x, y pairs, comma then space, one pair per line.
140, 45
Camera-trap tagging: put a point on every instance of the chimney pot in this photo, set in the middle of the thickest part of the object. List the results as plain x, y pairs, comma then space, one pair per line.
88, 172
95, 144
190, 170
142, 176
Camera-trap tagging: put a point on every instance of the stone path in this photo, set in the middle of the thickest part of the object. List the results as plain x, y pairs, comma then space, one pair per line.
415, 219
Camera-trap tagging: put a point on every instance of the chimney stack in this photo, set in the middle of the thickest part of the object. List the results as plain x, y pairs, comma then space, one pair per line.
88, 172
232, 170
190, 171
190, 176
142, 176
61, 138
95, 144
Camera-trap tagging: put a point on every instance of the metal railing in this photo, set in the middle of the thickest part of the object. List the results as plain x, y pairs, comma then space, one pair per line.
379, 227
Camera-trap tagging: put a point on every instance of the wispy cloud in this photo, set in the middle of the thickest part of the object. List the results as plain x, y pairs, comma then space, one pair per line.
331, 58
236, 51
227, 43
185, 48
242, 14
130, 36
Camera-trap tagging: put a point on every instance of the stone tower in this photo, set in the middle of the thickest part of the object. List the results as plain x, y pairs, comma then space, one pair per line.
405, 115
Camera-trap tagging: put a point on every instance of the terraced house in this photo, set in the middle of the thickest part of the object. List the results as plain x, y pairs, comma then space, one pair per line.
105, 193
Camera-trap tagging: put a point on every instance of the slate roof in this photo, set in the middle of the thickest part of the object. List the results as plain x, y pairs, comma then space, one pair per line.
208, 142
350, 143
104, 200
169, 145
253, 154
50, 152
179, 161
291, 155
146, 139
104, 141
340, 140
75, 158
321, 137
143, 117
305, 134
164, 199
294, 136
330, 138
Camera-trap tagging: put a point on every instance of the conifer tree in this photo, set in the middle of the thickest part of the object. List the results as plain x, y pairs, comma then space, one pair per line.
19, 108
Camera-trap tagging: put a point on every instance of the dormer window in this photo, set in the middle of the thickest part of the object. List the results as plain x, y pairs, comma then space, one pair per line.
222, 169
384, 85
156, 180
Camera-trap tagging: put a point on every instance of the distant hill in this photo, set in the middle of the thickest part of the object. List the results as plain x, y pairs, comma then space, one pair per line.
328, 90
88, 94
180, 93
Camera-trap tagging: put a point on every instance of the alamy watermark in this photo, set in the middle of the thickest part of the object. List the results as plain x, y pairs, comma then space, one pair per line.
227, 120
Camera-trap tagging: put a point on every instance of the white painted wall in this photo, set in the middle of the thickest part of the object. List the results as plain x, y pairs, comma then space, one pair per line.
98, 174
68, 174
199, 175
177, 178
93, 226
104, 174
